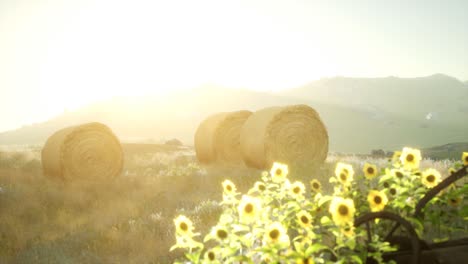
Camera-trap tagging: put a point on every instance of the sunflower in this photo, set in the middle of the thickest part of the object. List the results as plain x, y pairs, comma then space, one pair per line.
397, 173
377, 200
210, 257
297, 190
344, 173
370, 171
465, 158
220, 233
348, 230
396, 158
184, 227
276, 234
304, 219
431, 178
229, 187
249, 208
455, 201
342, 210
452, 171
392, 190
259, 186
410, 158
305, 260
315, 186
186, 242
279, 172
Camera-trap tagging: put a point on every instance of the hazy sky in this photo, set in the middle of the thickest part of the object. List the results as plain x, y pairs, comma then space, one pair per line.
63, 54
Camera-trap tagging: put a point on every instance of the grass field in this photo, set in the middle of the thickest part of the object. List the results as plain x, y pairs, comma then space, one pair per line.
126, 220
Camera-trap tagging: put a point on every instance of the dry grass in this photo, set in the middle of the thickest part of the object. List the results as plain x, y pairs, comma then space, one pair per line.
128, 220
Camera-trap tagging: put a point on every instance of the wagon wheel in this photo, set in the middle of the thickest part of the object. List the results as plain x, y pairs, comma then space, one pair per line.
431, 194
415, 243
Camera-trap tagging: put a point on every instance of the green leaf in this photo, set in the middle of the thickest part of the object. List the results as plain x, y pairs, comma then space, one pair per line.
315, 248
356, 259
298, 246
325, 220
351, 243
385, 178
324, 199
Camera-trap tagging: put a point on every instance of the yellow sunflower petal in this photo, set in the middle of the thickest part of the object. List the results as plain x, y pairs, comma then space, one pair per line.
304, 219
249, 209
377, 200
410, 158
184, 227
342, 210
344, 173
279, 172
370, 171
430, 178
315, 186
465, 158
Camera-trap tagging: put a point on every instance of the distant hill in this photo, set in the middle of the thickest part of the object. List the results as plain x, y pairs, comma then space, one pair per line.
436, 98
137, 119
360, 114
451, 151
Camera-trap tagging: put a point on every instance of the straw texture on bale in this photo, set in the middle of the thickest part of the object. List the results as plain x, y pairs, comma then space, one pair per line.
294, 135
89, 151
217, 139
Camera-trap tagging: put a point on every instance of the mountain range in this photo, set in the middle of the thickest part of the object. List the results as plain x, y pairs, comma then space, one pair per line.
361, 114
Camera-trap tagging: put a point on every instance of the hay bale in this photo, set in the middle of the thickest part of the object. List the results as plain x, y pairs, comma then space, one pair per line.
294, 135
89, 151
217, 138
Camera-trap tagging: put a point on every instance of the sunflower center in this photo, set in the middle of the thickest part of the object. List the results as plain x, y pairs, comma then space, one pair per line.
248, 208
315, 185
305, 261
261, 187
278, 172
392, 191
453, 200
296, 190
430, 178
211, 256
377, 199
399, 174
409, 157
183, 226
222, 234
370, 170
229, 188
343, 176
304, 219
386, 185
343, 209
274, 234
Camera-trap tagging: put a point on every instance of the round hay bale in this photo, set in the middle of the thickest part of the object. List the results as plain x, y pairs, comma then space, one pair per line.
217, 139
294, 135
89, 151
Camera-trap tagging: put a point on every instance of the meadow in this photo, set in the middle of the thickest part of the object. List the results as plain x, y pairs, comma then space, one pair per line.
128, 219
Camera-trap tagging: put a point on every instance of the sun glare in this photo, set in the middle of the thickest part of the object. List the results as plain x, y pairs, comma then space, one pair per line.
114, 49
